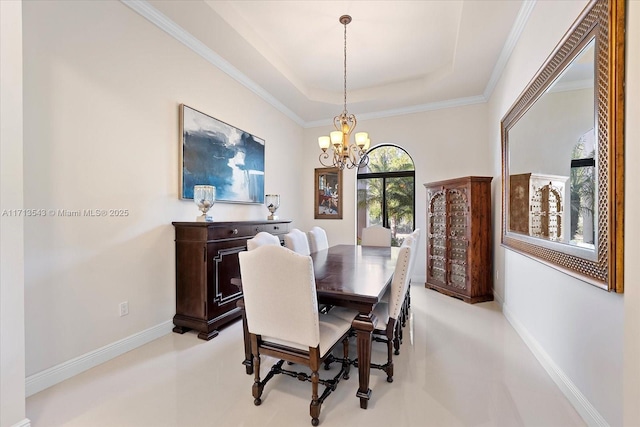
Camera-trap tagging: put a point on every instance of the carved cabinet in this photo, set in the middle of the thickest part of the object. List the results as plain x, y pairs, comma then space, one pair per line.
459, 261
206, 261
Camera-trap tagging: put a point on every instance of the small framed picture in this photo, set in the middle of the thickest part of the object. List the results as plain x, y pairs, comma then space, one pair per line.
328, 193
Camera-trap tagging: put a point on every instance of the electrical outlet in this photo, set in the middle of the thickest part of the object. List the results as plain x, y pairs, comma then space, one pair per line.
124, 308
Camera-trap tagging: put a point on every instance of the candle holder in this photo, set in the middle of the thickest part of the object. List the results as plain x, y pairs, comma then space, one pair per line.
204, 197
272, 201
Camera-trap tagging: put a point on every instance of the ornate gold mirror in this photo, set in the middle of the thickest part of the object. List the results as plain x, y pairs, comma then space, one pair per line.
562, 154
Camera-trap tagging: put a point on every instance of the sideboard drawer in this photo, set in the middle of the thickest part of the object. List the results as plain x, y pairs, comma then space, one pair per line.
278, 228
231, 231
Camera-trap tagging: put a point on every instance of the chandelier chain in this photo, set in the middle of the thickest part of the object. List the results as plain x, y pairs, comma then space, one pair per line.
345, 67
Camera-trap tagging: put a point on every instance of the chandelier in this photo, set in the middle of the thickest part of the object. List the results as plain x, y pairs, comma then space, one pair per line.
336, 150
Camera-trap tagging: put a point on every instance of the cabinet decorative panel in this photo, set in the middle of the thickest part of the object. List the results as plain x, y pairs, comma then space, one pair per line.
459, 238
206, 261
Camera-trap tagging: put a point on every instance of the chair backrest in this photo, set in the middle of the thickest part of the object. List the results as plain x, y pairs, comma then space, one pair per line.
376, 235
318, 239
296, 240
414, 249
261, 239
412, 242
400, 281
280, 294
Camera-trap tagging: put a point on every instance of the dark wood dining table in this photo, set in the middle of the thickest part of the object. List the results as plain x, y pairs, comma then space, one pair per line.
350, 276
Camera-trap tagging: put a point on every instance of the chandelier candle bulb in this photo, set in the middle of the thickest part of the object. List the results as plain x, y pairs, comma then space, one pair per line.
336, 137
324, 142
361, 139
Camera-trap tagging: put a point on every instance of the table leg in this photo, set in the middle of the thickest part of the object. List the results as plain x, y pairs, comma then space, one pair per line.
364, 325
248, 357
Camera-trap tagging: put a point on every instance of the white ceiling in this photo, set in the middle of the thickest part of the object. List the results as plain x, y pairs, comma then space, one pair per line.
402, 56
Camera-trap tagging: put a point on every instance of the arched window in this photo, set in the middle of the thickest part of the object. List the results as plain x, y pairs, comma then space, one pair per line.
386, 192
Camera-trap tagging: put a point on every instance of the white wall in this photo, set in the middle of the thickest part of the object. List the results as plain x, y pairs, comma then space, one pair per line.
577, 326
102, 89
12, 333
632, 225
444, 144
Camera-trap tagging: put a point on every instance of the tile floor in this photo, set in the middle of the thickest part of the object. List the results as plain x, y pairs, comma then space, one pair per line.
459, 365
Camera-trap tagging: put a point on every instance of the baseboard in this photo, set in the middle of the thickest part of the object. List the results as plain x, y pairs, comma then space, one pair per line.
24, 423
54, 375
498, 298
586, 410
418, 280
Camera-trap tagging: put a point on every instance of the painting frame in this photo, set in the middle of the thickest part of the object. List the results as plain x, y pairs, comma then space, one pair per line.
213, 152
327, 188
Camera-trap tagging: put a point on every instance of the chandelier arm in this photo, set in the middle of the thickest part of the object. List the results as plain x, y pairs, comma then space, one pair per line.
354, 155
352, 119
364, 161
323, 157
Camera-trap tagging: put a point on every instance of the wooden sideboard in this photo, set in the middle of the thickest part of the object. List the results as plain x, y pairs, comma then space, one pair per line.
459, 238
206, 261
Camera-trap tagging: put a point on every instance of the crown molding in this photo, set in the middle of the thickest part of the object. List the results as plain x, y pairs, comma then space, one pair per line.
509, 45
440, 105
160, 20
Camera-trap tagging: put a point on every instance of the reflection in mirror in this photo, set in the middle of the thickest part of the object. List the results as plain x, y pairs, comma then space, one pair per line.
552, 151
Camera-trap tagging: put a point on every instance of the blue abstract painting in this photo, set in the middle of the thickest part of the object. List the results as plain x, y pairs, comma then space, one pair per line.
218, 154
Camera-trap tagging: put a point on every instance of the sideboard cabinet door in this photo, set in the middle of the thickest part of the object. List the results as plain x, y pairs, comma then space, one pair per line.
206, 262
459, 238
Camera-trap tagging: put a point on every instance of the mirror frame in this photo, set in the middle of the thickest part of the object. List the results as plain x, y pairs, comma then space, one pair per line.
604, 19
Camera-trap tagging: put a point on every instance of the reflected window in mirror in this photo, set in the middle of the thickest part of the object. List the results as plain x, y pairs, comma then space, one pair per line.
583, 192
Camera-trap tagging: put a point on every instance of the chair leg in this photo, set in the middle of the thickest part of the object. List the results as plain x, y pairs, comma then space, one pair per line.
391, 326
257, 385
389, 367
405, 308
397, 338
345, 354
314, 365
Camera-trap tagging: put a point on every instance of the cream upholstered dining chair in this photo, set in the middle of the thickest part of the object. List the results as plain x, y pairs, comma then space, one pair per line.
296, 240
376, 235
411, 240
415, 235
388, 314
318, 239
261, 239
283, 320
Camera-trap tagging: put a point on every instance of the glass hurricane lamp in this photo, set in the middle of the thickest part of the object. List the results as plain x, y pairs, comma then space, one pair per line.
204, 197
272, 201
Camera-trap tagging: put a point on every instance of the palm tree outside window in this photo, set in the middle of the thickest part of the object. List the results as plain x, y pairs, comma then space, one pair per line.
386, 192
583, 191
